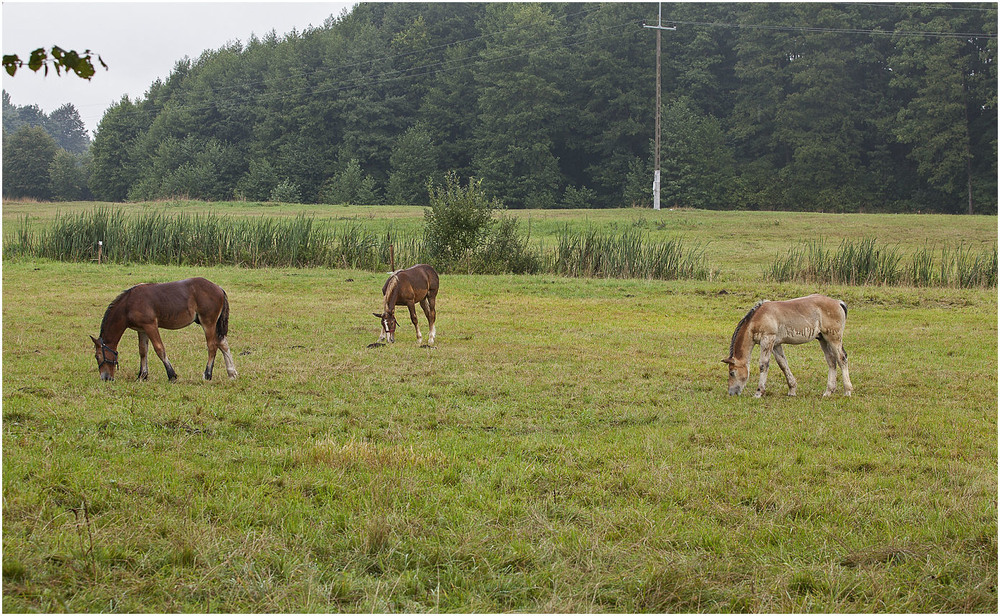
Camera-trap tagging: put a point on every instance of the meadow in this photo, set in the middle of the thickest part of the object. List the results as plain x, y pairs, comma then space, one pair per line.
567, 445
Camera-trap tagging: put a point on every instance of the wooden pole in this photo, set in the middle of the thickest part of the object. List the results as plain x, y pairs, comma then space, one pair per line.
656, 170
100, 249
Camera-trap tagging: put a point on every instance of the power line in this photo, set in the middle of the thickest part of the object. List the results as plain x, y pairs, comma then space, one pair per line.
815, 29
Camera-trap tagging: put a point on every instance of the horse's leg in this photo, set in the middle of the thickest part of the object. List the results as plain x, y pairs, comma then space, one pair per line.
766, 345
432, 315
211, 340
835, 353
779, 355
143, 352
228, 358
831, 351
413, 317
428, 305
154, 336
848, 387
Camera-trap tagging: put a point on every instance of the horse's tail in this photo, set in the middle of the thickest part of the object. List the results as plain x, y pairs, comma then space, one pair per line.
222, 325
843, 307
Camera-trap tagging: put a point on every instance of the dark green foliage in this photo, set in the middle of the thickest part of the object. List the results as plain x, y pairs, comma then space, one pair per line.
790, 106
413, 162
458, 221
351, 186
258, 182
466, 231
63, 125
68, 176
114, 170
697, 167
66, 127
27, 156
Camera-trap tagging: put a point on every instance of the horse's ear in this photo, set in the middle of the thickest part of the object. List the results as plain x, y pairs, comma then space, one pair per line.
377, 315
96, 341
728, 360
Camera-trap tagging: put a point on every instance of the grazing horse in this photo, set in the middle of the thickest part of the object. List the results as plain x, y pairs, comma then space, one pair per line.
417, 284
795, 321
170, 305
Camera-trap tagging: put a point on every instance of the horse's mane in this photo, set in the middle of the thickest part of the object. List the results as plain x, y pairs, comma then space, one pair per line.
742, 324
389, 290
114, 304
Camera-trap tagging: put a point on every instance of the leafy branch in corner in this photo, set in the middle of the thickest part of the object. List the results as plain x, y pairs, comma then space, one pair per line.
59, 58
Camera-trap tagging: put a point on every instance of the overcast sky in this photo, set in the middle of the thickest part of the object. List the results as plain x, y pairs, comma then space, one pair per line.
139, 41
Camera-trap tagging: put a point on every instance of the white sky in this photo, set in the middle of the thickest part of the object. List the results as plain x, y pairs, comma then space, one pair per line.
139, 41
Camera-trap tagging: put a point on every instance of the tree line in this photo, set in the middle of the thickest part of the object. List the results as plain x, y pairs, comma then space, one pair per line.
45, 156
821, 107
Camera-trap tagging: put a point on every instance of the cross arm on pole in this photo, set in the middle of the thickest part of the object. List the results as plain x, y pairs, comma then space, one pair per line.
659, 27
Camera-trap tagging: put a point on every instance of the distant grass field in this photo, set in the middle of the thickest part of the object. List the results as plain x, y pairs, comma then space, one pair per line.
566, 446
738, 246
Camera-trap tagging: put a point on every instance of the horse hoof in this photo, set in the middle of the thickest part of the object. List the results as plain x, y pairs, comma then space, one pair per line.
758, 394
791, 394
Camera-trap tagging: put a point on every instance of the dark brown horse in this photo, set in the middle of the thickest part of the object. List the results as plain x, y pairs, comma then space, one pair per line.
418, 284
170, 305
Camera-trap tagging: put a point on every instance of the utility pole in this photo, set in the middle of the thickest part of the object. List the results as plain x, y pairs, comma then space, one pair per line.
656, 171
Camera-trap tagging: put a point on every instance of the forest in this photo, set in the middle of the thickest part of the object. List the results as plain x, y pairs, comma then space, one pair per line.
802, 106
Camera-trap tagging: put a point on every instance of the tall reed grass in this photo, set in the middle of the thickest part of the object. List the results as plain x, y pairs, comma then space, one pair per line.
210, 239
182, 239
626, 255
864, 262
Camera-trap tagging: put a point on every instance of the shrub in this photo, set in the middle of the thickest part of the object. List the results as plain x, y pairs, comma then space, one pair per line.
461, 233
286, 191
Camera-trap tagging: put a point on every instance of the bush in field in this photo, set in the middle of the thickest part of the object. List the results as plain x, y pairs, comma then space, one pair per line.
286, 192
461, 233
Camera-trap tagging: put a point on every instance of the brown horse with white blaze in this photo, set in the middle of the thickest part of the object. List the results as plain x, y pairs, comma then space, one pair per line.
409, 287
148, 307
794, 321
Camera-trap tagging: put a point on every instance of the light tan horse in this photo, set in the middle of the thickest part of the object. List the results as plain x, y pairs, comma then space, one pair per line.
417, 284
795, 321
146, 308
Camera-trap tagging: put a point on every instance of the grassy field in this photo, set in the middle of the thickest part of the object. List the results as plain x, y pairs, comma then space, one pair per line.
566, 446
738, 246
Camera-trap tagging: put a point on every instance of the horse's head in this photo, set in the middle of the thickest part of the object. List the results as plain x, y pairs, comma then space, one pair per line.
107, 359
739, 372
388, 326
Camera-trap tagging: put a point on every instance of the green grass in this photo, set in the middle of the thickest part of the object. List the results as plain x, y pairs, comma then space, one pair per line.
567, 446
737, 246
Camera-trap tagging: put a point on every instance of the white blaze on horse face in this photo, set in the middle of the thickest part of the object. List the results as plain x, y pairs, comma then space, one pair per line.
388, 330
